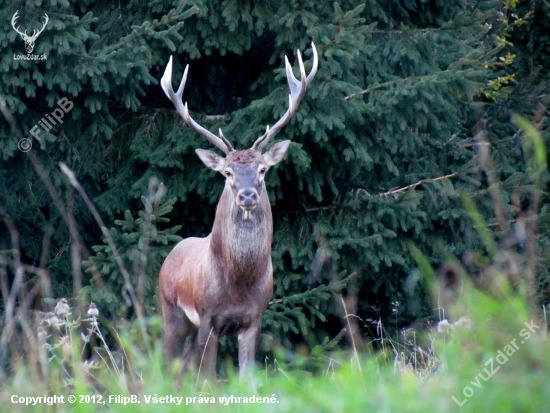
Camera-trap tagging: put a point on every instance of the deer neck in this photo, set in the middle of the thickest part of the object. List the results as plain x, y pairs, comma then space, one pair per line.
241, 247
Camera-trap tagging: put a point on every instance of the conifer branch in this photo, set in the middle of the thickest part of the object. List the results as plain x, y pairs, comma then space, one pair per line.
402, 80
41, 171
333, 37
320, 289
481, 18
166, 21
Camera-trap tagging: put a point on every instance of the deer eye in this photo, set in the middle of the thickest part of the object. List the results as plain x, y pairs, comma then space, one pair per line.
262, 171
228, 174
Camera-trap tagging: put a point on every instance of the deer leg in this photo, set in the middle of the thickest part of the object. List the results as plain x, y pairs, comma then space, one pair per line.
191, 353
207, 340
176, 328
248, 339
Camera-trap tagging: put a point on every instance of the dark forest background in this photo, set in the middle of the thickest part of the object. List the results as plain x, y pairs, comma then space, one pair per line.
386, 144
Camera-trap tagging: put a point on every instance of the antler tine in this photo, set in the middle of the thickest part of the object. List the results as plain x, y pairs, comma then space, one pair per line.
297, 92
35, 33
176, 98
227, 143
14, 21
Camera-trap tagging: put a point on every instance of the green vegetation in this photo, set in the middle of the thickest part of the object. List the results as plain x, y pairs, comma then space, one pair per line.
383, 145
397, 379
411, 218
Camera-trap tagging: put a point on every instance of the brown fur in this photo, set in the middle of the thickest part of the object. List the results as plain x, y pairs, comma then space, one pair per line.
222, 282
245, 157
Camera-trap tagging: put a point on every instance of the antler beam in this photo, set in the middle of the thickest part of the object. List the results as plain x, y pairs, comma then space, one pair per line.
35, 32
176, 97
297, 92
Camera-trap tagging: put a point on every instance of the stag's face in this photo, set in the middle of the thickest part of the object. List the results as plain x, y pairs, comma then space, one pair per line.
244, 171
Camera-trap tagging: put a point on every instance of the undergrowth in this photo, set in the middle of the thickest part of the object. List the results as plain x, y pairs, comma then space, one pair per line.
464, 355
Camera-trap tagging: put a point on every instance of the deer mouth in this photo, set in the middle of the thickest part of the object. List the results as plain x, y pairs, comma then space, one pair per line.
247, 211
247, 208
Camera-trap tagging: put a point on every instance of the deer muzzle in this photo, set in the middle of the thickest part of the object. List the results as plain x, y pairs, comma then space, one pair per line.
247, 199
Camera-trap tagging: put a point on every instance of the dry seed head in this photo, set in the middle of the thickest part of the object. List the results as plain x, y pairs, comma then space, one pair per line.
62, 308
93, 311
443, 325
52, 320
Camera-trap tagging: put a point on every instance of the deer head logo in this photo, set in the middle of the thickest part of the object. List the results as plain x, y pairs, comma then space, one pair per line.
29, 40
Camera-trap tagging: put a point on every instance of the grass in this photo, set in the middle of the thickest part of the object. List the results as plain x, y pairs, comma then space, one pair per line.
392, 380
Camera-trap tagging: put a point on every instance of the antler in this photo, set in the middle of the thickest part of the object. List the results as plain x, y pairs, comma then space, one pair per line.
25, 36
35, 34
176, 98
13, 20
297, 92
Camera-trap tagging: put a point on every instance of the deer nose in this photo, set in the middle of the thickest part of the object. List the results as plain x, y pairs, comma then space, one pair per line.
247, 198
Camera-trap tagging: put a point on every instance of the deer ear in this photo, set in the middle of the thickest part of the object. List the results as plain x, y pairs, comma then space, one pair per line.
276, 153
211, 159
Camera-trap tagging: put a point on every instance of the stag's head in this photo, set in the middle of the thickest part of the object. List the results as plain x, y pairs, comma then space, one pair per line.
244, 170
29, 40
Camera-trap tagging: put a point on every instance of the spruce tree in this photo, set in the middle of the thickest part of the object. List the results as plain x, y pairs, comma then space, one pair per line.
382, 145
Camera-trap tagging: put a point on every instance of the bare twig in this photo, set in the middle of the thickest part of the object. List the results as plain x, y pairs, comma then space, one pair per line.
95, 329
50, 187
351, 335
74, 182
213, 118
202, 358
421, 182
390, 192
486, 163
396, 81
278, 366
76, 256
10, 303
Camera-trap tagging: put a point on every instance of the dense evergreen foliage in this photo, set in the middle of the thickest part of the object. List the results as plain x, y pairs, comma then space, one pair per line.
400, 89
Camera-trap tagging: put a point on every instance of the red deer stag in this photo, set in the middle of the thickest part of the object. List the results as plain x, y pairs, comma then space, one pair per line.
222, 284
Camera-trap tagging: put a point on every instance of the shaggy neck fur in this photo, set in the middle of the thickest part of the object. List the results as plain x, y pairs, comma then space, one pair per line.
241, 248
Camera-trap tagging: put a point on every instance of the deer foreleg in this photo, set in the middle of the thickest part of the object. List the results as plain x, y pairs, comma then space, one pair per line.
248, 339
176, 328
207, 340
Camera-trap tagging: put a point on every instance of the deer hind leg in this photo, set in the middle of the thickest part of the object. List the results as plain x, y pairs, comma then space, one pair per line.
191, 355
